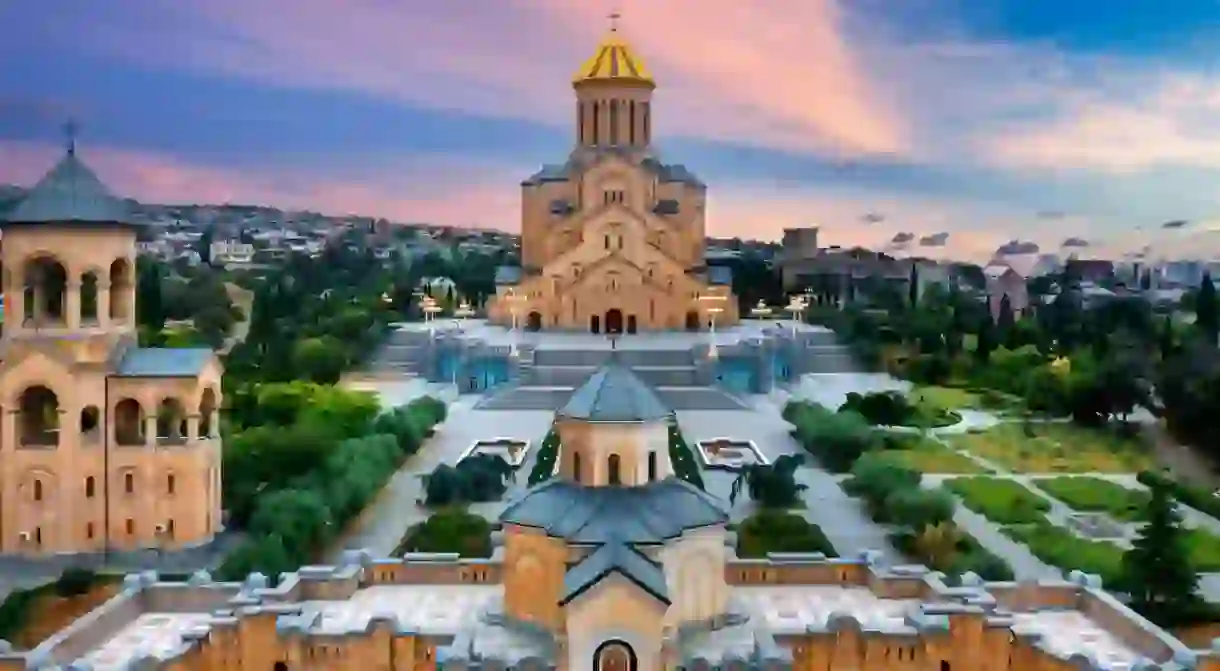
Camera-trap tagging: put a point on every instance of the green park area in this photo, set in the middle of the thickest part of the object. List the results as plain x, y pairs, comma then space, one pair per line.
1058, 447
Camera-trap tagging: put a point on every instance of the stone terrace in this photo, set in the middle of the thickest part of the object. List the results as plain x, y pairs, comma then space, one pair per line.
775, 604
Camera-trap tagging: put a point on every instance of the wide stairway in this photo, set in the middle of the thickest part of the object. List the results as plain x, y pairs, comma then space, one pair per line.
399, 353
828, 356
550, 378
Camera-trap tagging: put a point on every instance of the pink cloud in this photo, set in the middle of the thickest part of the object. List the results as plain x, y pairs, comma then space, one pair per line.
1166, 120
779, 74
454, 192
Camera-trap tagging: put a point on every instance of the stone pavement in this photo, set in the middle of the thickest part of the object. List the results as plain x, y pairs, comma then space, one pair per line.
382, 524
841, 517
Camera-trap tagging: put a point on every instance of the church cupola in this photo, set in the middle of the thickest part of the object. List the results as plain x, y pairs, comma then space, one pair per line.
614, 431
614, 96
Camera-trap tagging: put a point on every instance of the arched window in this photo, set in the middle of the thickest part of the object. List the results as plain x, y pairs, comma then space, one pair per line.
576, 466
169, 484
607, 242
90, 487
652, 466
614, 477
129, 483
614, 122
38, 490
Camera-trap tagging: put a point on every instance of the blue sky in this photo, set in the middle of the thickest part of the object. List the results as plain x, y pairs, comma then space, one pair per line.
998, 120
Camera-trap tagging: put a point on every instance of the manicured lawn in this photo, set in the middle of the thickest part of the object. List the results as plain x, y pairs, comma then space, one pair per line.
1056, 448
929, 456
1204, 550
1063, 549
1000, 500
1096, 495
945, 397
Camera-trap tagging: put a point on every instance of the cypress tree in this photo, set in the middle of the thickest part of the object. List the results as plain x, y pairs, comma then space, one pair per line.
1207, 313
1157, 568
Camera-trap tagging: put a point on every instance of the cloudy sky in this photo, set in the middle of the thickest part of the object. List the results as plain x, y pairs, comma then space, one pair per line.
879, 120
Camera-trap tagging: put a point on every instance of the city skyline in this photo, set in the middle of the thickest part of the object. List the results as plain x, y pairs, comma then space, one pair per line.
1025, 120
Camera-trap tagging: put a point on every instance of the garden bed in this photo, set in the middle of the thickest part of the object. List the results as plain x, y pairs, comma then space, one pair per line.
449, 530
1063, 549
929, 456
1056, 448
1000, 500
729, 454
1096, 495
780, 531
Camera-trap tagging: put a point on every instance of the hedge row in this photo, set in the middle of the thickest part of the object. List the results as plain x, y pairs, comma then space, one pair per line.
289, 526
893, 496
770, 530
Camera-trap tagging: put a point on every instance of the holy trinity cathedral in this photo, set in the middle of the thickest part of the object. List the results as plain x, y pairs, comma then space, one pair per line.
612, 241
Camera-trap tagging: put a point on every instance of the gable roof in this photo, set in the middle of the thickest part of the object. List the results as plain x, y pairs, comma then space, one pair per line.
164, 361
615, 394
70, 193
615, 557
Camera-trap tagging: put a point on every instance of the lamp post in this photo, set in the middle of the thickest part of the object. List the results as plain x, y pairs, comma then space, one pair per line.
760, 311
714, 309
513, 301
796, 306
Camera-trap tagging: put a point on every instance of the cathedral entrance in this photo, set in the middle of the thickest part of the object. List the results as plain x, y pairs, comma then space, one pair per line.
614, 321
692, 321
534, 321
614, 656
631, 325
595, 324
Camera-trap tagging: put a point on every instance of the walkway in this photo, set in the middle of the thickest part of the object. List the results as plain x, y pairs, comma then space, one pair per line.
384, 521
841, 517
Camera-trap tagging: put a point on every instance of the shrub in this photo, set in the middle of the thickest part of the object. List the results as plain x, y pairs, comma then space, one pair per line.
476, 479
75, 581
682, 458
771, 530
836, 440
544, 459
449, 530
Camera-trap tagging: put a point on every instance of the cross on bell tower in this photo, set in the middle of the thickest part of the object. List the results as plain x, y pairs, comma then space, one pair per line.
614, 16
70, 130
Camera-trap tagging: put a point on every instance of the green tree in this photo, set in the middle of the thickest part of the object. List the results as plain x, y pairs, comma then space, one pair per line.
1157, 570
150, 307
985, 343
1167, 340
319, 359
1207, 311
771, 485
770, 530
299, 516
450, 530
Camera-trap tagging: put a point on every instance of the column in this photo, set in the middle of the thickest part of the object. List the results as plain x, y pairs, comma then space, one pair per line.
72, 318
36, 311
192, 428
129, 298
103, 304
603, 123
150, 430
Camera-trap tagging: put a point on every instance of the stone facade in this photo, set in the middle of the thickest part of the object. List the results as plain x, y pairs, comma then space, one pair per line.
104, 445
612, 241
613, 565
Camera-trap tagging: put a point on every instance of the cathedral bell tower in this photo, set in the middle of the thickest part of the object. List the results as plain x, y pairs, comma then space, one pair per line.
613, 97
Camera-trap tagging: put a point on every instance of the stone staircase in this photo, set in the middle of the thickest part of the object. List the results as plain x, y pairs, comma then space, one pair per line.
400, 353
551, 375
828, 356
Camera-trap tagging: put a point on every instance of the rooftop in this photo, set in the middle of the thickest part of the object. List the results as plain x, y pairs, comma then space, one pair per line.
70, 193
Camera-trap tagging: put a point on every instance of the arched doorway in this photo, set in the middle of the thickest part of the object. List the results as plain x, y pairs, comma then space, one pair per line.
631, 324
614, 321
595, 324
614, 655
692, 321
534, 321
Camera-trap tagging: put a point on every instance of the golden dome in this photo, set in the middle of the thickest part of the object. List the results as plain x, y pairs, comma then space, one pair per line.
614, 61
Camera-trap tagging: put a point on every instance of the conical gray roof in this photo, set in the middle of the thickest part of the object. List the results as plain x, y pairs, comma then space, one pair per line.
70, 193
615, 394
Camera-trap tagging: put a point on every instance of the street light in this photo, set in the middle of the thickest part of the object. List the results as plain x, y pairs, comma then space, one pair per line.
760, 311
797, 304
712, 311
513, 300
